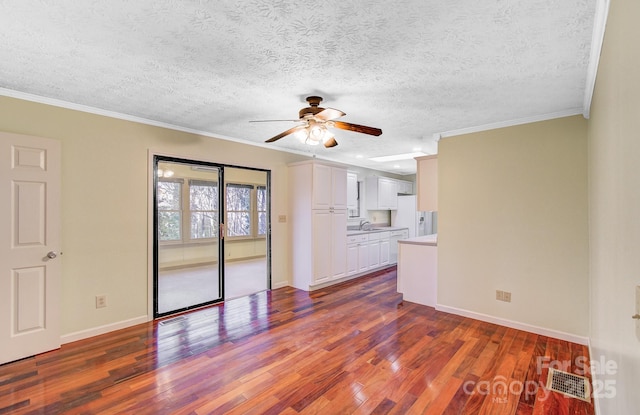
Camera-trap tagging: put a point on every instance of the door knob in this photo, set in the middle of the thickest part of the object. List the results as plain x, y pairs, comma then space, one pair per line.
52, 255
636, 316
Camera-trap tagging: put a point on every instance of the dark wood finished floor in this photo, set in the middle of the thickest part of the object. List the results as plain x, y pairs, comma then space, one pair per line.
353, 348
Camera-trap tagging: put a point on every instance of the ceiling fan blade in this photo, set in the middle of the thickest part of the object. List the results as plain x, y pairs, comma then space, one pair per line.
357, 128
328, 114
285, 133
330, 143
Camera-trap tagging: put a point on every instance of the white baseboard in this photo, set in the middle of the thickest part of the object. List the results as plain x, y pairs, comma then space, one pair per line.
95, 331
279, 284
515, 325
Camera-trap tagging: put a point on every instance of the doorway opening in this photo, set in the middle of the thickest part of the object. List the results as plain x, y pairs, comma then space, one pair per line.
211, 233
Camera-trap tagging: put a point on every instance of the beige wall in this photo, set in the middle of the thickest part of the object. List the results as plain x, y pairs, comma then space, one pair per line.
104, 202
513, 217
614, 203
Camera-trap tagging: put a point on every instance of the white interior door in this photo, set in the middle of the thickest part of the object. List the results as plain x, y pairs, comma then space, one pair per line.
29, 246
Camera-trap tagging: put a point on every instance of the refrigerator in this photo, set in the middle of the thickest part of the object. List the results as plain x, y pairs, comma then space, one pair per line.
407, 216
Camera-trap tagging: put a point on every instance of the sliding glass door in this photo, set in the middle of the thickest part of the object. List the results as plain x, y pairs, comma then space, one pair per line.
188, 244
247, 230
211, 233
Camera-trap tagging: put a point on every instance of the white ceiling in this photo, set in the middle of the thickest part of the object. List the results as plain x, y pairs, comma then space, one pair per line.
414, 68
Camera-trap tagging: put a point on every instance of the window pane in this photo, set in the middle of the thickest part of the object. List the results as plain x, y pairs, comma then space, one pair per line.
262, 199
238, 198
169, 225
203, 197
168, 195
262, 223
203, 225
238, 224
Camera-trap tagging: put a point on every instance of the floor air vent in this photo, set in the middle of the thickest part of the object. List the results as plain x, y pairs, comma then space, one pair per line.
172, 320
569, 384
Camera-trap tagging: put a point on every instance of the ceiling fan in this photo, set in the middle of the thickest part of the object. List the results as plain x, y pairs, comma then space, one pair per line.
315, 123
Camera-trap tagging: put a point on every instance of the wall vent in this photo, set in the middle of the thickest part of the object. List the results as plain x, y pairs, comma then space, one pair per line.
569, 384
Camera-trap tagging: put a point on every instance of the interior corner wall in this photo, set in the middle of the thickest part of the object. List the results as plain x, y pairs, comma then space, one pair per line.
512, 216
614, 204
104, 203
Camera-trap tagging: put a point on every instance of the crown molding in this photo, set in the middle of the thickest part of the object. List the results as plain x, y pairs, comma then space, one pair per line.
126, 117
511, 123
599, 25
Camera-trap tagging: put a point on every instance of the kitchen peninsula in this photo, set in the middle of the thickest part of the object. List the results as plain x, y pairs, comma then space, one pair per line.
417, 269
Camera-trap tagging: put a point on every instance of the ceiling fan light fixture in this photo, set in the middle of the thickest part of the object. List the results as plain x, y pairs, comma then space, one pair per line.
314, 134
302, 135
317, 133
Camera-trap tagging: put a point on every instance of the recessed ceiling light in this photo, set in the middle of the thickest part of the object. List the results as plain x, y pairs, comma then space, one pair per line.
396, 166
406, 156
359, 156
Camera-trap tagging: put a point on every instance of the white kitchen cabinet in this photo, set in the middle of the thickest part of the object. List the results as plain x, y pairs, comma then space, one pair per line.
329, 187
352, 259
321, 237
374, 254
363, 257
318, 224
381, 193
367, 252
338, 255
384, 251
378, 249
405, 187
357, 253
329, 257
352, 190
427, 183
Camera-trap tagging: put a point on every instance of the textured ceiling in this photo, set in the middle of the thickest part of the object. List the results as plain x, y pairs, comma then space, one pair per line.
413, 68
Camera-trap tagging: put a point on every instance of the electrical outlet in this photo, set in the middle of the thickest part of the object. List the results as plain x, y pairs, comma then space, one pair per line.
101, 301
282, 218
503, 296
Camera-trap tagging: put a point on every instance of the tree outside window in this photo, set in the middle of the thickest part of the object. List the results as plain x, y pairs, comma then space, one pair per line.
239, 209
261, 199
203, 206
169, 196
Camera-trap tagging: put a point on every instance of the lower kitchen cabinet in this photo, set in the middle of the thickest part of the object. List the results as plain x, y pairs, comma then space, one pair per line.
329, 240
367, 252
363, 257
352, 259
374, 254
384, 251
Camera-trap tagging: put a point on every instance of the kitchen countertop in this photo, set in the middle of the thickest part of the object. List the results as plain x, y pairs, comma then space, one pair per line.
376, 229
428, 240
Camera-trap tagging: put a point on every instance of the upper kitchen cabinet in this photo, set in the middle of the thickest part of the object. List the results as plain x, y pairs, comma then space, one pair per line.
427, 183
405, 187
381, 193
329, 187
352, 190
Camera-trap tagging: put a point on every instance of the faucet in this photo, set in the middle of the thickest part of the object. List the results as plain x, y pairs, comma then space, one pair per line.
363, 223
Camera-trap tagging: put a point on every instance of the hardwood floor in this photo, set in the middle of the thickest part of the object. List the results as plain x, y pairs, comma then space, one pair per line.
352, 348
